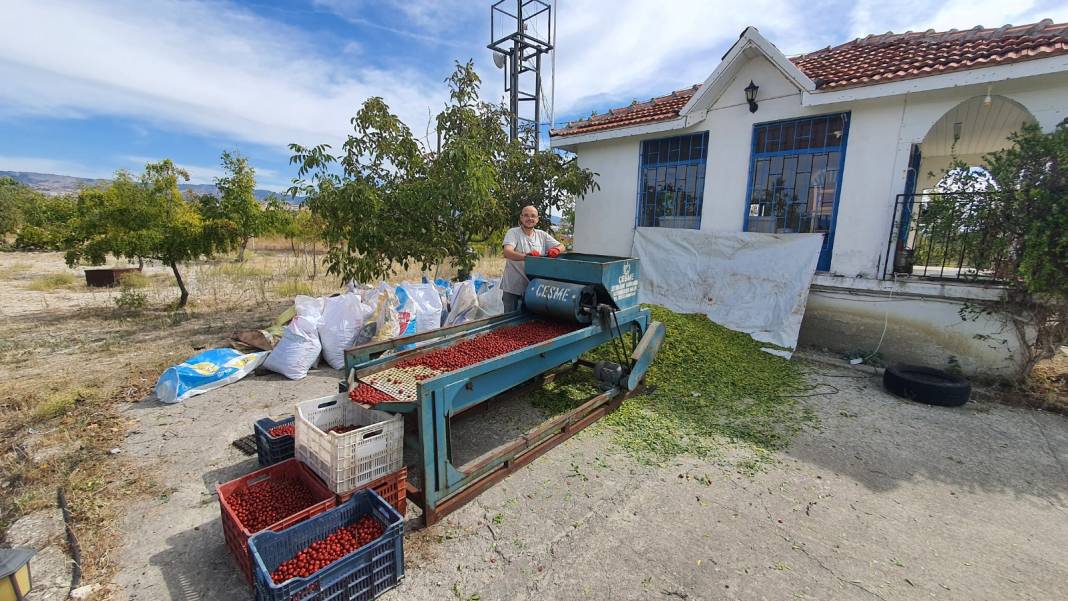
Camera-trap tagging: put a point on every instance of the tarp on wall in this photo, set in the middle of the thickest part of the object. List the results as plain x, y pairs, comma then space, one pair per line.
745, 281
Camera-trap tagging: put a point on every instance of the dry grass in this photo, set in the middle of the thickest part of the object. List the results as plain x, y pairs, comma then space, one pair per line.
71, 361
1049, 383
136, 279
52, 281
13, 270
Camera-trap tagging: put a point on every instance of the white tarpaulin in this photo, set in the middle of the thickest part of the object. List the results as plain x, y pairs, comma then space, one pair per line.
745, 281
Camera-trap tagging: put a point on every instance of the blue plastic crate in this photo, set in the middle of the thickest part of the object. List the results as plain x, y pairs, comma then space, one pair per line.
272, 449
361, 575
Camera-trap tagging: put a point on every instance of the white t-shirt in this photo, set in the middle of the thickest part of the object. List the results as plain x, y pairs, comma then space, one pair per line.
515, 279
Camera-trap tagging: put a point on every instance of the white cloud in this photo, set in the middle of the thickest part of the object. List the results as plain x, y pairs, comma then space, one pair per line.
198, 174
209, 67
635, 48
611, 52
877, 16
431, 21
55, 166
203, 66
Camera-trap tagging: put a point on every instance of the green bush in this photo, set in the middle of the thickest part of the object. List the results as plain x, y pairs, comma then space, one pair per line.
130, 299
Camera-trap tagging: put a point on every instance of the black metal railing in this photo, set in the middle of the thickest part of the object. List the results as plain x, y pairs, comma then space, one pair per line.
946, 235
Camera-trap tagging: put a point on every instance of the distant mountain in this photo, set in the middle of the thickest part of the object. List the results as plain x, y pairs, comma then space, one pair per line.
50, 183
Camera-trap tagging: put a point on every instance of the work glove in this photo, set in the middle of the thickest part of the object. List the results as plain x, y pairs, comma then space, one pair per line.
534, 253
554, 252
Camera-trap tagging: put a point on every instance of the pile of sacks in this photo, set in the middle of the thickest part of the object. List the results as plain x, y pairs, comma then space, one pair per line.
326, 326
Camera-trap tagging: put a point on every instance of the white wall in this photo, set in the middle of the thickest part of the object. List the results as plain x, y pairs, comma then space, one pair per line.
604, 220
881, 134
919, 330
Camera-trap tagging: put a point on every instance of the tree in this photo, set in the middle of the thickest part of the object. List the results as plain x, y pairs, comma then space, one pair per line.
13, 197
304, 229
386, 200
39, 221
146, 218
238, 204
1014, 223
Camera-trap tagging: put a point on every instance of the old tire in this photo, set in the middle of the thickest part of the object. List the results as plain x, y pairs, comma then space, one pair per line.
927, 385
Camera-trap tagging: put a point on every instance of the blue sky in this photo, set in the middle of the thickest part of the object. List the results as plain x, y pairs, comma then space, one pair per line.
90, 87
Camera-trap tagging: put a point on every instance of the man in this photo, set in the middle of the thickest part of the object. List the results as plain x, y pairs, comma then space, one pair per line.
520, 242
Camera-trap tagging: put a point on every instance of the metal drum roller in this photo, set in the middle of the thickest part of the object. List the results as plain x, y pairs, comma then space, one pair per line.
562, 301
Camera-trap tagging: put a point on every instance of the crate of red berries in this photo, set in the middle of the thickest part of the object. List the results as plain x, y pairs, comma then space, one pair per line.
273, 498
393, 488
352, 552
274, 439
347, 445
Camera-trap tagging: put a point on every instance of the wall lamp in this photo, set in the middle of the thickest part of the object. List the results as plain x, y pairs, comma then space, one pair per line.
750, 95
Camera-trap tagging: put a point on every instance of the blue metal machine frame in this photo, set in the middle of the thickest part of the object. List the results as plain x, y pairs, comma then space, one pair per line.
443, 396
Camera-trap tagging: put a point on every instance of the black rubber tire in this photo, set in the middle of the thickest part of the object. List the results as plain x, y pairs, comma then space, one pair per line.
927, 385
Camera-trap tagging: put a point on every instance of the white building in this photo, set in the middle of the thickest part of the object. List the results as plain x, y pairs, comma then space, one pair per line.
836, 141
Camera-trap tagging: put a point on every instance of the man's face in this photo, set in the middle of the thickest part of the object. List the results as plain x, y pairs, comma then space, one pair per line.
529, 217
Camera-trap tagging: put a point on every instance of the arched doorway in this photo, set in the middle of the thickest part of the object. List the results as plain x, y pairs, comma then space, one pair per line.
930, 241
968, 131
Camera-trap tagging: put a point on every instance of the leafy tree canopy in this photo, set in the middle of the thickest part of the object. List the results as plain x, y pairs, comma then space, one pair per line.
387, 200
145, 218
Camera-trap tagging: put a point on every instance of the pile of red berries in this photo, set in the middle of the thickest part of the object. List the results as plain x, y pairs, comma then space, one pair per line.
487, 346
322, 553
267, 502
283, 430
369, 395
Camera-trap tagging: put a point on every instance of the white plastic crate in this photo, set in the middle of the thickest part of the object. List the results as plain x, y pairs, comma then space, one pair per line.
347, 461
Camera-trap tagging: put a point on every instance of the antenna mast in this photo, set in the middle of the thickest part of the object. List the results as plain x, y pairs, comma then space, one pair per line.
520, 33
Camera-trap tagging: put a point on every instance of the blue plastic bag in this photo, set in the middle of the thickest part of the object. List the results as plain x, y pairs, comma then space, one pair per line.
201, 373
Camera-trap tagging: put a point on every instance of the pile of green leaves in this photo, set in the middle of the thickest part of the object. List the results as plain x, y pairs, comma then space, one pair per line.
707, 384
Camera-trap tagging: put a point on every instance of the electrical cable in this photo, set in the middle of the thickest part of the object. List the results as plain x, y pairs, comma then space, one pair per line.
619, 337
886, 320
617, 344
72, 541
802, 396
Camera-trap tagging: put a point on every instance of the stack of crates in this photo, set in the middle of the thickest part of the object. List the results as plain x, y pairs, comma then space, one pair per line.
363, 574
356, 458
356, 473
272, 449
237, 535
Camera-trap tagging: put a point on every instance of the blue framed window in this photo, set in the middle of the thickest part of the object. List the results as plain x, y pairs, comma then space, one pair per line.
795, 177
671, 181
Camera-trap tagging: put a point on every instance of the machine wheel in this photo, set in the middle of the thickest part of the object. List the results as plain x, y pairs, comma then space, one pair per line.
927, 385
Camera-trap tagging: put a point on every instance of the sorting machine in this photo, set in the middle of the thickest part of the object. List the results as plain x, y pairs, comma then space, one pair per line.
597, 295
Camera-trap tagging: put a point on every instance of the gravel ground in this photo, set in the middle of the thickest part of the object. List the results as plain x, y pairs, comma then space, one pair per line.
886, 500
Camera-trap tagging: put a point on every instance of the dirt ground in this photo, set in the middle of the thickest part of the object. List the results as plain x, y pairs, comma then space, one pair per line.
887, 499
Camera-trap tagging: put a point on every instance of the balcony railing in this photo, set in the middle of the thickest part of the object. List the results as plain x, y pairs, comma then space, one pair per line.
948, 236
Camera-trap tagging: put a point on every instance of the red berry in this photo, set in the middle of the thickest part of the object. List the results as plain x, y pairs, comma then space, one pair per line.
283, 430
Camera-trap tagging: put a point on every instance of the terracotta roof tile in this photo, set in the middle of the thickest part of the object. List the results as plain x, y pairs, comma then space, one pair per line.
656, 109
872, 60
892, 56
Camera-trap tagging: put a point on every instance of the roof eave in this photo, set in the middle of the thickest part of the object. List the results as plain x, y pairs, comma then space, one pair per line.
569, 141
927, 83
